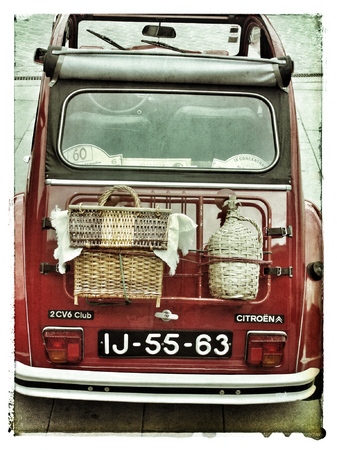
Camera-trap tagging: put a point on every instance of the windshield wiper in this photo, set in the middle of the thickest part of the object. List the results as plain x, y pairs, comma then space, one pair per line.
106, 39
164, 45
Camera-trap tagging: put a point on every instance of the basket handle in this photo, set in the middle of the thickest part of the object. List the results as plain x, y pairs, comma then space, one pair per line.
105, 196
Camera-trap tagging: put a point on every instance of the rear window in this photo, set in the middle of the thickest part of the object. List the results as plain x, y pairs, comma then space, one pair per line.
159, 129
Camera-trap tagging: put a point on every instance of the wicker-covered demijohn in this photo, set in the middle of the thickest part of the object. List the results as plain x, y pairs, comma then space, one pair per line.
101, 226
235, 255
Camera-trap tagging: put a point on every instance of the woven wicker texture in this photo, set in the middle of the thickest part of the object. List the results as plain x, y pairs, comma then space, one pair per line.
126, 274
235, 255
113, 227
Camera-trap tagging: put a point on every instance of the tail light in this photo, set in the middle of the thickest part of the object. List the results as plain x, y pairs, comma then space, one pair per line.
63, 345
265, 349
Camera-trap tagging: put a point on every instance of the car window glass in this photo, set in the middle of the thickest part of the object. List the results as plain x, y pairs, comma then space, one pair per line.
202, 37
150, 129
254, 49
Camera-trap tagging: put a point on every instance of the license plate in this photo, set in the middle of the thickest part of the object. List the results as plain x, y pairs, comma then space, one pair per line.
116, 343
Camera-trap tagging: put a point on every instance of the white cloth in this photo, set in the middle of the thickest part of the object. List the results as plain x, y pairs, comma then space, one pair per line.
181, 231
63, 252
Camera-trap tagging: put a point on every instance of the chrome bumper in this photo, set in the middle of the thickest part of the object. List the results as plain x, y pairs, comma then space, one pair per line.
164, 388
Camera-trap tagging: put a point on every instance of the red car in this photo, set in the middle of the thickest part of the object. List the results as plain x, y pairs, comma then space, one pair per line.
163, 248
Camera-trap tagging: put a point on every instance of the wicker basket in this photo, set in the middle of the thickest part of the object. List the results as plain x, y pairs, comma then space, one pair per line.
125, 274
118, 227
235, 255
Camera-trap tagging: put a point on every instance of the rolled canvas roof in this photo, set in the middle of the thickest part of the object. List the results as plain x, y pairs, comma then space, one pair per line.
107, 65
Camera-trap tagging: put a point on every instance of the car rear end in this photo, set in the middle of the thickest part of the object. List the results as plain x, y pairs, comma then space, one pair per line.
226, 306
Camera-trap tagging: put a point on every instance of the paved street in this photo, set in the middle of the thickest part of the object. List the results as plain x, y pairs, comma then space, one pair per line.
47, 416
68, 416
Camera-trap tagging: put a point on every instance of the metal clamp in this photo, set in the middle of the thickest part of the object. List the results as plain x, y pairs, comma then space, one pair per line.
46, 224
280, 231
46, 268
279, 271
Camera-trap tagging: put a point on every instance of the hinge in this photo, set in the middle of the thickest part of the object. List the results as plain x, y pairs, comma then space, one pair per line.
279, 271
280, 231
46, 224
46, 268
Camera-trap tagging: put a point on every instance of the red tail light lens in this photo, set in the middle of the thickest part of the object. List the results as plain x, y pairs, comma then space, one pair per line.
63, 346
265, 349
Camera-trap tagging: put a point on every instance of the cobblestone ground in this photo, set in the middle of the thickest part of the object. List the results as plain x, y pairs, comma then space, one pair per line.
301, 35
30, 32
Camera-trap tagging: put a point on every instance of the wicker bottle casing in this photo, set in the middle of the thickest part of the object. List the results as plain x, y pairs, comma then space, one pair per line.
235, 254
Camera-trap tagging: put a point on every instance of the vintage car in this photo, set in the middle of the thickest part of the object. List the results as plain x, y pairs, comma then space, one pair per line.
163, 248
